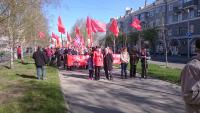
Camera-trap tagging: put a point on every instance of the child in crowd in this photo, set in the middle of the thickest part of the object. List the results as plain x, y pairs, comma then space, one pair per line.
90, 66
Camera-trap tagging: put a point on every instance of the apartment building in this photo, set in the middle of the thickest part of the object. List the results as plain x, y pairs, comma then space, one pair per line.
177, 20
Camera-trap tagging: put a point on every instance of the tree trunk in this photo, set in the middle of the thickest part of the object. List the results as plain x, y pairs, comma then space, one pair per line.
11, 57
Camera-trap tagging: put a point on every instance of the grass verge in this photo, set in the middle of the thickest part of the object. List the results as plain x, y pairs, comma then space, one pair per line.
167, 74
21, 92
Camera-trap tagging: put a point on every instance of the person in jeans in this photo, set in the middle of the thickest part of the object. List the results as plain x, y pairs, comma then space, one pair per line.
124, 58
190, 82
98, 62
133, 62
40, 61
108, 63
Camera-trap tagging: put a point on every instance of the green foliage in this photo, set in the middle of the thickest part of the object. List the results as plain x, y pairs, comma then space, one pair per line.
150, 35
25, 94
167, 74
133, 37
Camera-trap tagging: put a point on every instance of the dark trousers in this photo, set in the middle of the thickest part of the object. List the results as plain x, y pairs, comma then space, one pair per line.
144, 69
97, 72
91, 73
124, 70
132, 70
108, 73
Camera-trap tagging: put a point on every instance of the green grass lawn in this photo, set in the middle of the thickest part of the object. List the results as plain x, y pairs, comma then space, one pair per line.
21, 92
167, 74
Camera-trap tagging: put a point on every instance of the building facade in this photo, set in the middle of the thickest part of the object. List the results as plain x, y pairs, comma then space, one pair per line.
177, 20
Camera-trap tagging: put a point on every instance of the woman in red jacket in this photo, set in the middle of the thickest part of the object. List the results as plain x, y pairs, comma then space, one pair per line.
98, 62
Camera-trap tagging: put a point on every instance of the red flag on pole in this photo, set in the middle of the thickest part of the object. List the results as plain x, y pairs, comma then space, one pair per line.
88, 26
136, 24
78, 33
61, 27
98, 26
69, 37
57, 39
114, 27
41, 35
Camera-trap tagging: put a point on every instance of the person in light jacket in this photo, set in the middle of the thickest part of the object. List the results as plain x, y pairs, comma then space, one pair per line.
124, 58
190, 83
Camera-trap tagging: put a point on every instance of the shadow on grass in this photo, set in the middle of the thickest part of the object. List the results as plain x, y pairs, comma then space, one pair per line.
27, 76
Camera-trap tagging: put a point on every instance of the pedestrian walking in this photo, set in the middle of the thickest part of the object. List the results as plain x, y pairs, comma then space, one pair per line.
190, 83
144, 56
134, 57
108, 63
98, 62
40, 61
90, 66
124, 58
58, 57
19, 52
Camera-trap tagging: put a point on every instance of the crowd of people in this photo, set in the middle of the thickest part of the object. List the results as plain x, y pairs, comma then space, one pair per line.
98, 59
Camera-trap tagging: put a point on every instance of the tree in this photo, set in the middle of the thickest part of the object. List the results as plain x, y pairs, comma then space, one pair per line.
20, 21
151, 36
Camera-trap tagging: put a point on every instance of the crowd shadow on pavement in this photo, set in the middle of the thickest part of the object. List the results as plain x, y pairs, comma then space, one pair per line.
120, 96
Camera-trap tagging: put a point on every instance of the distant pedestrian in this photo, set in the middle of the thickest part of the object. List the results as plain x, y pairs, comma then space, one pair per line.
190, 83
98, 62
90, 66
134, 57
124, 58
19, 52
108, 63
40, 61
58, 57
144, 56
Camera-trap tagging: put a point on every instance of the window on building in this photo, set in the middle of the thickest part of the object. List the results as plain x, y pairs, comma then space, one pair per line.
169, 32
175, 18
179, 17
185, 1
151, 14
192, 28
191, 14
170, 7
182, 30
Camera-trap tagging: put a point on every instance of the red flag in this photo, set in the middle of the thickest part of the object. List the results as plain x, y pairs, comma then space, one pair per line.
77, 41
78, 33
136, 24
61, 27
82, 41
69, 37
88, 26
41, 35
55, 36
98, 26
89, 30
114, 27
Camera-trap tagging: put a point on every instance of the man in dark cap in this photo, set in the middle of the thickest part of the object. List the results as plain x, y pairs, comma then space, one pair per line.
190, 82
40, 61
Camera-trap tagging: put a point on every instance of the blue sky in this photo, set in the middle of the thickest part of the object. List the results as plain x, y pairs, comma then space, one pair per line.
102, 10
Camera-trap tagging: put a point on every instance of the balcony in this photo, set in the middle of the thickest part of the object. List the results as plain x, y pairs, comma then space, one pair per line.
177, 10
190, 4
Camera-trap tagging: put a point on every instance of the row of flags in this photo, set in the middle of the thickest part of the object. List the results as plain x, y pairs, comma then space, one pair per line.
92, 26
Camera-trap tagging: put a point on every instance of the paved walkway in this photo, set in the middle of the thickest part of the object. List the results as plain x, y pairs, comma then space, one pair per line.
119, 96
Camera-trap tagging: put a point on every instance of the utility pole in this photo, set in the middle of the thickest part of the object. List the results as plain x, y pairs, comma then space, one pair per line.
164, 34
188, 39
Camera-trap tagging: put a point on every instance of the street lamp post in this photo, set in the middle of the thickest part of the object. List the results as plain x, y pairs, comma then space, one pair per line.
188, 34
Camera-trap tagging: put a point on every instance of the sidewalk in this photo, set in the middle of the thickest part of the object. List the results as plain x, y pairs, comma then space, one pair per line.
119, 96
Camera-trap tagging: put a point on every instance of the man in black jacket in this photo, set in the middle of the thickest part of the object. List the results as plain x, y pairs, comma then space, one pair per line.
108, 62
40, 61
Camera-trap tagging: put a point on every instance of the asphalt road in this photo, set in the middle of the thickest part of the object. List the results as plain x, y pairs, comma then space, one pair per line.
119, 96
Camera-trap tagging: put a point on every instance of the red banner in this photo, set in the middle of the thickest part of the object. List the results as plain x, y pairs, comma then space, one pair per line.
81, 60
116, 59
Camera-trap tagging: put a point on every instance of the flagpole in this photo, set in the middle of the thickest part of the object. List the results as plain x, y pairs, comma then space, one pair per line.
114, 44
61, 39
